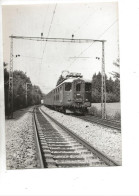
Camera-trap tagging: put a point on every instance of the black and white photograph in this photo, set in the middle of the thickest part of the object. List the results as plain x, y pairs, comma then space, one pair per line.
61, 65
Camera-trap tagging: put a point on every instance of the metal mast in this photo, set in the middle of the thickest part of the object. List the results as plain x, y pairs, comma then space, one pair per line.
27, 93
103, 84
10, 91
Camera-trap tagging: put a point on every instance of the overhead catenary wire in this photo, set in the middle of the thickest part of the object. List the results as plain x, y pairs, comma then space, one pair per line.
92, 43
47, 37
56, 38
44, 20
43, 26
83, 23
49, 31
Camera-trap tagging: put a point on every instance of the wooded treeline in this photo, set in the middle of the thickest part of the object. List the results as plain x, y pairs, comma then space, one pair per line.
112, 89
22, 86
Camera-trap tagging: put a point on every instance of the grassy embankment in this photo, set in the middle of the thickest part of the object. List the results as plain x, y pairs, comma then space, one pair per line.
112, 109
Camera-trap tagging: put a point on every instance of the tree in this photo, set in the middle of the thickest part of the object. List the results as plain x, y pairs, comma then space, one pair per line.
96, 82
19, 89
117, 89
109, 85
6, 86
96, 88
112, 89
20, 79
115, 74
36, 95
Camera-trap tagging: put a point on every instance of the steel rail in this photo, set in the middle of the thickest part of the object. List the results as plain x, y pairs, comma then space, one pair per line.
99, 154
102, 123
97, 121
105, 120
39, 154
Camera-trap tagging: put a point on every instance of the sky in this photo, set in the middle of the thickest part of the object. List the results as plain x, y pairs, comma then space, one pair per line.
43, 61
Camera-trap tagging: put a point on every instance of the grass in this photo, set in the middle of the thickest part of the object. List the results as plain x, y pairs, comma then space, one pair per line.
112, 109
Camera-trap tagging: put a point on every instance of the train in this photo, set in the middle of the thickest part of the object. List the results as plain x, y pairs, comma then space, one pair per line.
73, 94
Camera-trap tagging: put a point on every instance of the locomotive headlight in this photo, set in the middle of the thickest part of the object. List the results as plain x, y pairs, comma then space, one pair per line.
86, 100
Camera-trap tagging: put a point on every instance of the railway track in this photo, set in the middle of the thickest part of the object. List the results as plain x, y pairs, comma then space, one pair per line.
59, 147
107, 123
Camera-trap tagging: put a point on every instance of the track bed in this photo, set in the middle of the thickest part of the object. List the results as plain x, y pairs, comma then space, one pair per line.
61, 148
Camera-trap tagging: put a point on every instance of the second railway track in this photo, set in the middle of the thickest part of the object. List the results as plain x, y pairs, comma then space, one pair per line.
60, 147
106, 123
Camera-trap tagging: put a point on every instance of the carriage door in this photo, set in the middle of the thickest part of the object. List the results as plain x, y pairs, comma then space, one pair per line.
78, 91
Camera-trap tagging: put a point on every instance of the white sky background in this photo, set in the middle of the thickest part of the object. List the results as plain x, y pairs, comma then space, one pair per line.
91, 21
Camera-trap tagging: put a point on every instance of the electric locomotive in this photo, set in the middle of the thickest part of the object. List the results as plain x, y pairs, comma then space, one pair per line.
73, 94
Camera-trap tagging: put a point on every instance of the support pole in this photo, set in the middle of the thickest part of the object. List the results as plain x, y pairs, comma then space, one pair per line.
10, 90
26, 94
103, 84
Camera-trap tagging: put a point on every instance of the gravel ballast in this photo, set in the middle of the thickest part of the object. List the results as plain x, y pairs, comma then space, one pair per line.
104, 139
20, 141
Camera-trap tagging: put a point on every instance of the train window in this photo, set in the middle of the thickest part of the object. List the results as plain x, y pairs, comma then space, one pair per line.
78, 87
87, 86
67, 86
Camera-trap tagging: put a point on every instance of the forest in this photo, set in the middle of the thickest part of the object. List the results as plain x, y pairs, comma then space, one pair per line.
112, 89
24, 92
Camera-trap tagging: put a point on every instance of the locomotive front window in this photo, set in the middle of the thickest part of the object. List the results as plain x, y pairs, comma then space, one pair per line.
87, 86
67, 86
78, 87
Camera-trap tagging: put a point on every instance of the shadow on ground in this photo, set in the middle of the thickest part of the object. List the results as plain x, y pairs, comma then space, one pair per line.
19, 113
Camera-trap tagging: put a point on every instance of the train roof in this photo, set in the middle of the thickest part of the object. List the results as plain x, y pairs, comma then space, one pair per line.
71, 80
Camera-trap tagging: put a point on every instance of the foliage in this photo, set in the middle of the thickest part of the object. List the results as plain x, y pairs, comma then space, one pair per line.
21, 86
96, 82
94, 111
115, 74
112, 89
117, 62
6, 84
117, 116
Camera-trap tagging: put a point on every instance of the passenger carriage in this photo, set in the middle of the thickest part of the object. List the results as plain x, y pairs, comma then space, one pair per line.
73, 94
